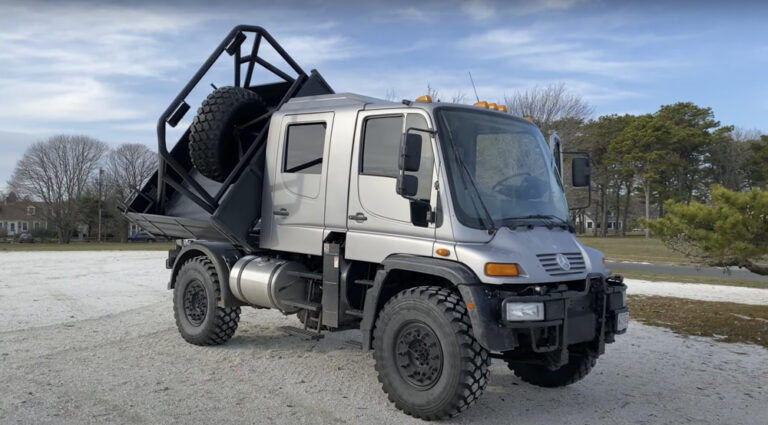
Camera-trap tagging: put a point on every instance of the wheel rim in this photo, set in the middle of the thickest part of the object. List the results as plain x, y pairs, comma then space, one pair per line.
419, 355
195, 303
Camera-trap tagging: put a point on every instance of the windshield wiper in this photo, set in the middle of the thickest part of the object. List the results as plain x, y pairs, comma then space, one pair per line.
490, 226
565, 223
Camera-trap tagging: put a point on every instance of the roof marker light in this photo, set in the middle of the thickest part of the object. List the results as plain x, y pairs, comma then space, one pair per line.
481, 104
424, 99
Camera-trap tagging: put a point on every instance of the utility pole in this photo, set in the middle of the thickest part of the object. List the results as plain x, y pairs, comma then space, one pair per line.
101, 172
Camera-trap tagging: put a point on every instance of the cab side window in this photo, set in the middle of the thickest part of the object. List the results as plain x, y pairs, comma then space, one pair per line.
304, 148
381, 146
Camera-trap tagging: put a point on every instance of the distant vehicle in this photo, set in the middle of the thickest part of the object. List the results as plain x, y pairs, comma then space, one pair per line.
26, 238
142, 236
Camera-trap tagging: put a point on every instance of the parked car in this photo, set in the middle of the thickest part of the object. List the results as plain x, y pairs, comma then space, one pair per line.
142, 236
26, 238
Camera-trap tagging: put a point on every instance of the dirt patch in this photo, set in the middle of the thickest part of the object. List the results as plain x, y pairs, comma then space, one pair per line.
726, 322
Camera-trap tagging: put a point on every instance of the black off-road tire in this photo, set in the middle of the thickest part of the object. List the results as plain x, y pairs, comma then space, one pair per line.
580, 363
196, 295
456, 371
213, 144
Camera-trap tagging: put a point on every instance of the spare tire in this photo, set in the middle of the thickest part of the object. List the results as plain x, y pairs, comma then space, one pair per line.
216, 140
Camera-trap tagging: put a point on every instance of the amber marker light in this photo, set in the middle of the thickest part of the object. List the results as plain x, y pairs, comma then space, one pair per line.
443, 252
501, 108
481, 104
424, 99
502, 269
529, 118
492, 106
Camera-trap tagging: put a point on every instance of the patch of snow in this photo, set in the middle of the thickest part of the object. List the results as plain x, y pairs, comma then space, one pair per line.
698, 291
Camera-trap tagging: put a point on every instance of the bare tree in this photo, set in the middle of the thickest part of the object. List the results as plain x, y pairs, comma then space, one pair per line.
458, 97
57, 171
433, 92
128, 167
390, 95
550, 107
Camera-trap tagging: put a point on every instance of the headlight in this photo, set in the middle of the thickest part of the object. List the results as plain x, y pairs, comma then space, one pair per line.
523, 312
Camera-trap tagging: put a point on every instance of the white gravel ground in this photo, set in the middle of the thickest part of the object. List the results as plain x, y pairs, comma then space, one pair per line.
88, 337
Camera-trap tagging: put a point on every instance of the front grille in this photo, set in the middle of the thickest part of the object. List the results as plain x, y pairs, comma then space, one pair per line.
549, 262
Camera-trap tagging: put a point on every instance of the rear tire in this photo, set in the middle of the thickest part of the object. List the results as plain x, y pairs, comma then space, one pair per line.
427, 358
215, 142
580, 363
196, 296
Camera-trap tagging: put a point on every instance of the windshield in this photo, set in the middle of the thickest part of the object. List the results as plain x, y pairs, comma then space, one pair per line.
508, 163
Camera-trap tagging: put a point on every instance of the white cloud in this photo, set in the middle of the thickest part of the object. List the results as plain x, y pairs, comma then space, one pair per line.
501, 43
479, 10
541, 50
76, 99
484, 10
415, 14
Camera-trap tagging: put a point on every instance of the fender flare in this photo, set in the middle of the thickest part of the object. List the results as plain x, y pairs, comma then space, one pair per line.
222, 254
456, 273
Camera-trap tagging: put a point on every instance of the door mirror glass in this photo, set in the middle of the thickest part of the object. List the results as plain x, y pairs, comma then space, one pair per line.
407, 185
580, 172
410, 157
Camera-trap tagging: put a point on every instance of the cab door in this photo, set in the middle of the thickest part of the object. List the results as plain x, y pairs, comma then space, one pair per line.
379, 220
298, 191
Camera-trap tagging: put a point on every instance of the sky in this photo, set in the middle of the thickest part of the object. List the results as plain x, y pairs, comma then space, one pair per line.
108, 69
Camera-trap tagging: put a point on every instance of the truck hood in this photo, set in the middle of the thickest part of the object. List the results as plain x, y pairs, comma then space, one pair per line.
536, 251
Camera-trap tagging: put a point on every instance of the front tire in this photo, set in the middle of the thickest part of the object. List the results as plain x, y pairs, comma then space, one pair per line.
580, 362
196, 296
427, 358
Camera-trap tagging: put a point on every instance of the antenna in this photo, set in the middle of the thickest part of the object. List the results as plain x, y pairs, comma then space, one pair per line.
473, 85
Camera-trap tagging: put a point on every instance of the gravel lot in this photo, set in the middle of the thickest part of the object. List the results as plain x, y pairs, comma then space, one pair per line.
88, 337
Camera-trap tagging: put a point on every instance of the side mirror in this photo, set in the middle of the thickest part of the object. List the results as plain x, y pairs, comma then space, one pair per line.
581, 172
407, 185
410, 157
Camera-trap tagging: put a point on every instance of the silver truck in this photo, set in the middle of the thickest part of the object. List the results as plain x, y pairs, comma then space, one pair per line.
440, 231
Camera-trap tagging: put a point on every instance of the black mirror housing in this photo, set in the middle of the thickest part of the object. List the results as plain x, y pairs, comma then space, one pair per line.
407, 185
581, 172
410, 157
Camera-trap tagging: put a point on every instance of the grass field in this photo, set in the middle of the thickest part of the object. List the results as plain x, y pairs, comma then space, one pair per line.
634, 248
90, 246
726, 322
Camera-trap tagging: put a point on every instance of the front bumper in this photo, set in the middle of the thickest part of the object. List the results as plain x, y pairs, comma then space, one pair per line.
593, 311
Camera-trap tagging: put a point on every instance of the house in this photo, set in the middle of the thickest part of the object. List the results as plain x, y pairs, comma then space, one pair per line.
19, 216
589, 225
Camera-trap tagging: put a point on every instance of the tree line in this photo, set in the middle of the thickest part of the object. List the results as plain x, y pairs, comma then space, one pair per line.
76, 175
639, 162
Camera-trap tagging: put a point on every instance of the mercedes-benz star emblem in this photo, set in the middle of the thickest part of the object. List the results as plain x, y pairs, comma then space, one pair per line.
563, 262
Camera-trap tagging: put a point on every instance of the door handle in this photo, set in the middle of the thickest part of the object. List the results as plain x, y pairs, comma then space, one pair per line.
358, 217
282, 212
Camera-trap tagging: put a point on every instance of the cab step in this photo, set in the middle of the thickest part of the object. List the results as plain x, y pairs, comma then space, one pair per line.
353, 312
305, 305
306, 275
305, 334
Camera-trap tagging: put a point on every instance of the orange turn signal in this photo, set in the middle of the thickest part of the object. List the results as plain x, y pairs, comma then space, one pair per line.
442, 252
502, 269
424, 99
481, 104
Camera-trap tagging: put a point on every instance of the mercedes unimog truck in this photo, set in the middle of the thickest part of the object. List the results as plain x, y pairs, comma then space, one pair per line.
440, 231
